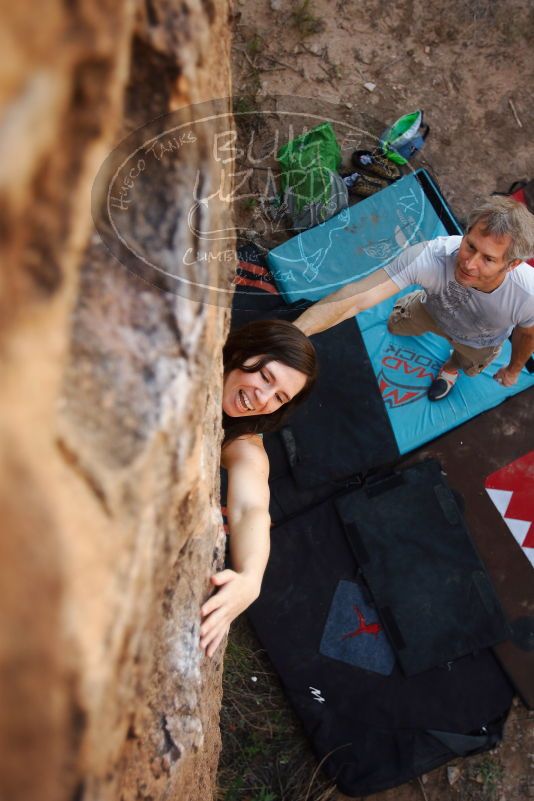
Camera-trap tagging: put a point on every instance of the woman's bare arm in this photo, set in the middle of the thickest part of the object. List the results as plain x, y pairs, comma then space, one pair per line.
249, 522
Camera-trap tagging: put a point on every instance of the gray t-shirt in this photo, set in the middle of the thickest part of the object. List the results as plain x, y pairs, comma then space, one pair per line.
469, 316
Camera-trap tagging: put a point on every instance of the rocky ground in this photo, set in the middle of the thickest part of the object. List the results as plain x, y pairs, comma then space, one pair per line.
469, 66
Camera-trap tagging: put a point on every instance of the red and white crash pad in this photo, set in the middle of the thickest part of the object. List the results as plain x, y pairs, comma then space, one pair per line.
512, 491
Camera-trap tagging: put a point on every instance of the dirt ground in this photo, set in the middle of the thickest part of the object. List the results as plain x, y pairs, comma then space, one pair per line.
468, 65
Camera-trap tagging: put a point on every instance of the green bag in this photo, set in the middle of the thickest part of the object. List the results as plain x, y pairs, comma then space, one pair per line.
306, 163
405, 137
311, 187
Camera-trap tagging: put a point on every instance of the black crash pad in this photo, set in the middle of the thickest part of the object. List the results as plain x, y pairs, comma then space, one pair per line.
374, 726
432, 591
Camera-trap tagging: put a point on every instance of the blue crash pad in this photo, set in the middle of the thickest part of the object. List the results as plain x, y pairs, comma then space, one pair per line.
405, 367
361, 239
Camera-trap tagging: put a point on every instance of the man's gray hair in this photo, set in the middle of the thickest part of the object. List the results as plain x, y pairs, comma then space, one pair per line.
503, 215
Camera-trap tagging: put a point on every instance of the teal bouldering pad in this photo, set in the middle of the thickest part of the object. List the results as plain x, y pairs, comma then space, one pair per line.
361, 239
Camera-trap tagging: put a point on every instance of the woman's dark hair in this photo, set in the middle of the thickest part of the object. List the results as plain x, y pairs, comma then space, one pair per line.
272, 340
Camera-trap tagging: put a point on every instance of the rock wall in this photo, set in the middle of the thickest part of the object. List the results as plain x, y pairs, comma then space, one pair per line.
109, 414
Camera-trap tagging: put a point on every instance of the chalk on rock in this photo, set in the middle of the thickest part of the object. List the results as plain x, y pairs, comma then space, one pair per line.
370, 86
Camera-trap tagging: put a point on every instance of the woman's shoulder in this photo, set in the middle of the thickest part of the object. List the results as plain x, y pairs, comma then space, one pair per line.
247, 448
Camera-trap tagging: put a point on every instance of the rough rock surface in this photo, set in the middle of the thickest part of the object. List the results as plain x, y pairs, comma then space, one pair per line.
109, 417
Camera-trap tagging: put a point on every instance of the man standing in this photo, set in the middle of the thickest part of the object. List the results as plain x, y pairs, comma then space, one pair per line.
476, 291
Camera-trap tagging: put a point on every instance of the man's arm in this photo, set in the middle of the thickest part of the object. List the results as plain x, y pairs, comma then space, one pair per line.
249, 525
522, 348
346, 302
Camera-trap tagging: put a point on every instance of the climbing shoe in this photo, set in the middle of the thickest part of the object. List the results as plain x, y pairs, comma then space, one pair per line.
363, 185
373, 163
442, 384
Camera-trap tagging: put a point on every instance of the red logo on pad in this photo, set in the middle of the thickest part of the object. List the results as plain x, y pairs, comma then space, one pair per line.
363, 628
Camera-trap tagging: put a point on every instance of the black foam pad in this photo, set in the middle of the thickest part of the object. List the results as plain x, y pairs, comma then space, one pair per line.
432, 591
343, 429
375, 727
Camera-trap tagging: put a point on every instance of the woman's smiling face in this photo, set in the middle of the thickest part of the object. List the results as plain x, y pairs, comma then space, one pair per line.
263, 391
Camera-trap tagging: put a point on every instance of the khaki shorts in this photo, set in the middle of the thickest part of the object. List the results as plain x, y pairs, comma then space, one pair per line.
410, 317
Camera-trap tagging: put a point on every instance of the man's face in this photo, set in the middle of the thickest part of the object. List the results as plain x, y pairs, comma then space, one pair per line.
481, 262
